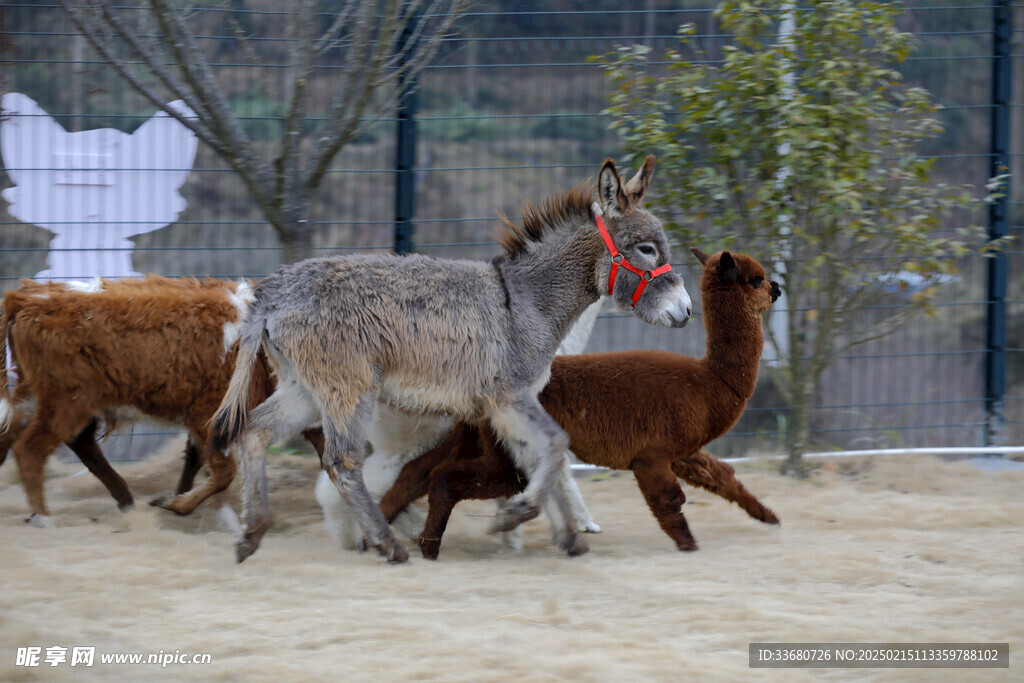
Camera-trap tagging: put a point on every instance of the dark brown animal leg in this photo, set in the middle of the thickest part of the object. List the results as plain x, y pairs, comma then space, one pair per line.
491, 475
88, 451
413, 481
704, 470
315, 437
665, 498
190, 467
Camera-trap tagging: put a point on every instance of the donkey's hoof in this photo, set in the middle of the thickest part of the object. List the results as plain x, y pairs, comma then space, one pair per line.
245, 547
395, 553
514, 513
575, 546
41, 521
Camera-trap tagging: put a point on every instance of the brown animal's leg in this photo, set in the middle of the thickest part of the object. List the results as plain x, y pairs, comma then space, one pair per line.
665, 498
31, 450
465, 475
88, 451
414, 480
190, 467
704, 470
315, 437
19, 420
221, 467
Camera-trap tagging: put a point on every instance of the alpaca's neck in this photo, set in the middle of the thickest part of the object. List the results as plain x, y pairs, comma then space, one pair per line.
735, 341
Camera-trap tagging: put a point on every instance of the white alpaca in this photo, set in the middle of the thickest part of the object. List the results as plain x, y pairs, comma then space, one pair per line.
398, 438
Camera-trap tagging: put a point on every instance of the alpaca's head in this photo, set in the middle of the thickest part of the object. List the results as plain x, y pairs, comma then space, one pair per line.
733, 272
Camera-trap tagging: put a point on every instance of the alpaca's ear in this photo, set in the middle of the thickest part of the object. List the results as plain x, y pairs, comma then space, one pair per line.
636, 188
701, 256
614, 200
727, 267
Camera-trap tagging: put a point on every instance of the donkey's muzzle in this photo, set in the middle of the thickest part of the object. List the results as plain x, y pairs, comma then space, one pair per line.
776, 292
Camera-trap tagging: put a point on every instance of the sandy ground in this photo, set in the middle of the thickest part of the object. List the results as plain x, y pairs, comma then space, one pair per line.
882, 550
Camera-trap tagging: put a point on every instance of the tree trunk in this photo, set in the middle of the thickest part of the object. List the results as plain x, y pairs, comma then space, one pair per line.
295, 230
799, 435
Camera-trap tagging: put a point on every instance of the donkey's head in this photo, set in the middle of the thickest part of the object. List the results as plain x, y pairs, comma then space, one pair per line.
729, 272
636, 272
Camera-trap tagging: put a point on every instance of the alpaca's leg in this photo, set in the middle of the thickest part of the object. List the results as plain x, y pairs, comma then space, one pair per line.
665, 498
488, 475
193, 461
88, 451
413, 482
337, 517
440, 503
580, 514
704, 470
344, 452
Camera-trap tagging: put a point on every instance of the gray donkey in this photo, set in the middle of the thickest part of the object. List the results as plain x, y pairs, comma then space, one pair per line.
472, 340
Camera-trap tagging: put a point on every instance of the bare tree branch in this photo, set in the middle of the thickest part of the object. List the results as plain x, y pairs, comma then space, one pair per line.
301, 56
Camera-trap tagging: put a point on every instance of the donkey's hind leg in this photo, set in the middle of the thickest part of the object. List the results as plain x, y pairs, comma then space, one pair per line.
344, 452
288, 411
704, 470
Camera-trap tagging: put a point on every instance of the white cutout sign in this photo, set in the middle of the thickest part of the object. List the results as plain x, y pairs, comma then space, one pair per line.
93, 189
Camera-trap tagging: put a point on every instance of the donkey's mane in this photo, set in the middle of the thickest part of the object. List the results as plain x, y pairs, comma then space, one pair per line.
538, 219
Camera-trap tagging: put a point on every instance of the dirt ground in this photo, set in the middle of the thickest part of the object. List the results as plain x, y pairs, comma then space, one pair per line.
908, 549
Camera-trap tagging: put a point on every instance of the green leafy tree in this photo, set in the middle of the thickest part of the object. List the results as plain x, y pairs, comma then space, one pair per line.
799, 145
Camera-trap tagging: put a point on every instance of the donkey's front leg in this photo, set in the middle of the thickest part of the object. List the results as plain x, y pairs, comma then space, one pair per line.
537, 444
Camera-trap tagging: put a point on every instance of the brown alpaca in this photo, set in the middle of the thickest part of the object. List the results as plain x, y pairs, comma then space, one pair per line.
160, 347
646, 411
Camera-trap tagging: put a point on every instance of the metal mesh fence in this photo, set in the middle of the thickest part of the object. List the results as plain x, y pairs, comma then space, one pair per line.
511, 109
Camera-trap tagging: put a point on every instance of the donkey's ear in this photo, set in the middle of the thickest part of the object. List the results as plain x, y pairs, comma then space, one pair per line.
701, 256
727, 268
614, 200
636, 188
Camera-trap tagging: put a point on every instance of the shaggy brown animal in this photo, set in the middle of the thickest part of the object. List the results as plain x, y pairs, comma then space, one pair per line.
646, 411
156, 347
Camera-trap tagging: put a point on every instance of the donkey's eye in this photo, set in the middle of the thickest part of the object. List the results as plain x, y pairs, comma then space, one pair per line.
647, 250
755, 282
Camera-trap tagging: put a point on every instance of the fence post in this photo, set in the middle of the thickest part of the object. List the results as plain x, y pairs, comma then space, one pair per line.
405, 149
998, 225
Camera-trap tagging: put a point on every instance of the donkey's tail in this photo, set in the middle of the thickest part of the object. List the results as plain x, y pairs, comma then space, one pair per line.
232, 416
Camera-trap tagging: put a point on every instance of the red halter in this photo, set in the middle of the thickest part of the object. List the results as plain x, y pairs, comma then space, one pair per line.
619, 260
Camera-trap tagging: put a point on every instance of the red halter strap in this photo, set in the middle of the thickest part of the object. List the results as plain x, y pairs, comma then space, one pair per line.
619, 260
